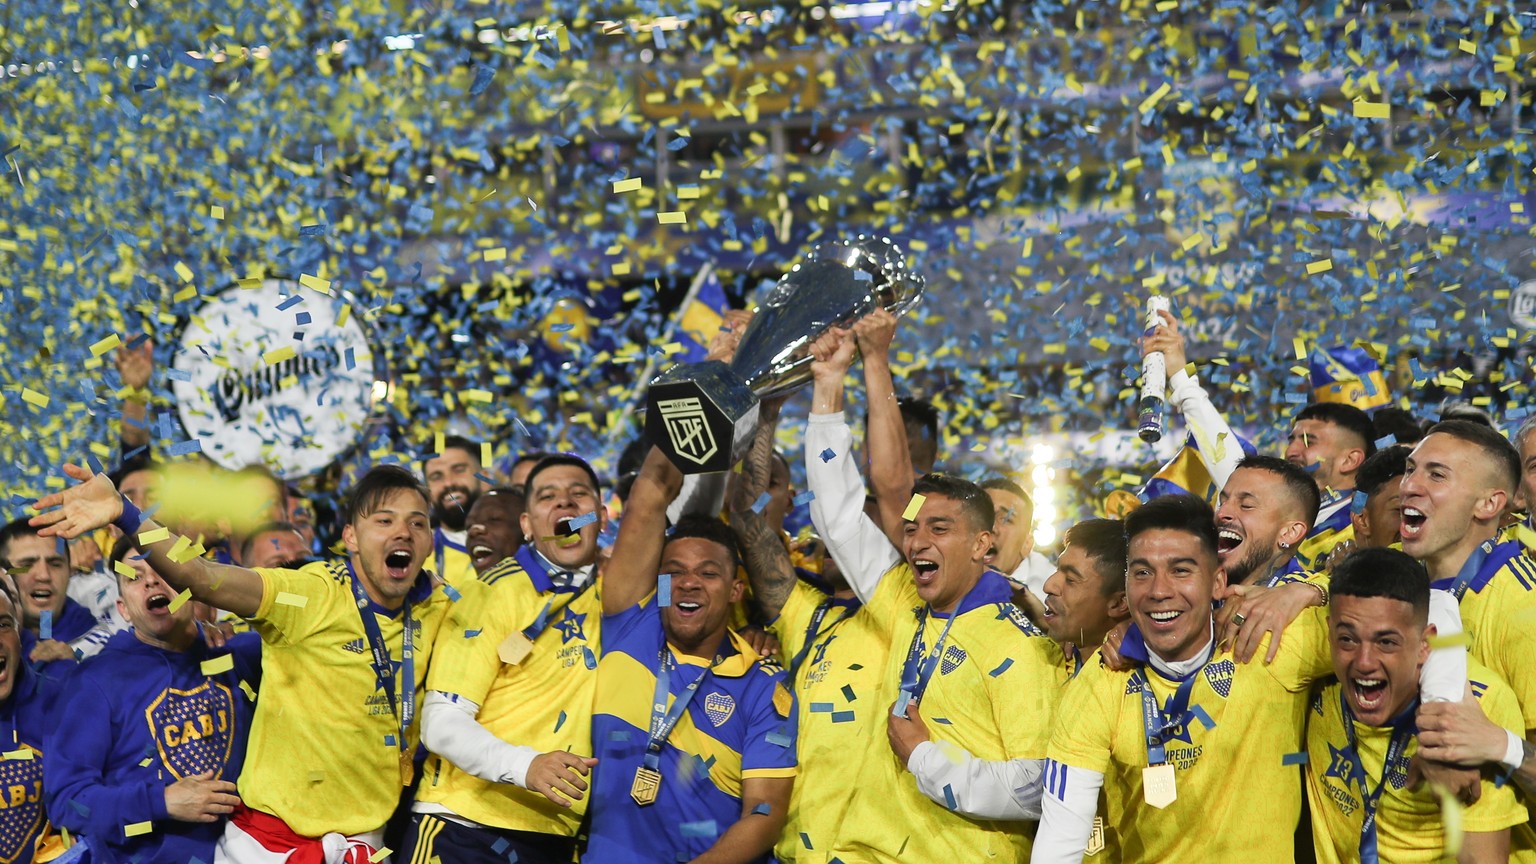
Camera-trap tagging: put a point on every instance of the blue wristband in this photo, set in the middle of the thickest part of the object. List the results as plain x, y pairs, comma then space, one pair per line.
129, 520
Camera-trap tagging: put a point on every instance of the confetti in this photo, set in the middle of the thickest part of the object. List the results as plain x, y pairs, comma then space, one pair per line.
218, 665
138, 829
180, 600
1294, 759
154, 536
664, 589
913, 506
288, 598
24, 754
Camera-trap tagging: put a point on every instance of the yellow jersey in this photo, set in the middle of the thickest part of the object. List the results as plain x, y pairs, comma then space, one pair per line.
451, 559
323, 754
1245, 720
837, 686
1498, 611
1409, 829
544, 701
994, 693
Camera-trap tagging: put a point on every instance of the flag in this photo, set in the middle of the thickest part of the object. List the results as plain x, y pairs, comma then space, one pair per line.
1187, 474
1348, 375
700, 319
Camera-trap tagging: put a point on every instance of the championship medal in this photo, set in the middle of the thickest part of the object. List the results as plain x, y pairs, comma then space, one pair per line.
647, 782
1158, 786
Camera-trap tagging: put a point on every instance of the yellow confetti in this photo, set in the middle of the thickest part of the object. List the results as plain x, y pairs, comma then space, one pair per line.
315, 283
1300, 345
32, 396
155, 536
671, 217
180, 600
485, 452
629, 185
1373, 110
285, 598
249, 692
497, 254
216, 211
1467, 45
217, 665
179, 552
1454, 640
1322, 266
379, 855
103, 346
138, 829
22, 755
122, 569
183, 271
913, 507
278, 355
1151, 101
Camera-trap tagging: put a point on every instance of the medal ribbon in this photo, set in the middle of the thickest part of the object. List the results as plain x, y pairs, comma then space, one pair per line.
1403, 730
1158, 725
1468, 571
918, 669
813, 630
664, 720
404, 708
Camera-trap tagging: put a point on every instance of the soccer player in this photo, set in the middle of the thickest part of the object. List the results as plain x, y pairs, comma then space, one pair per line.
495, 532
562, 519
1264, 511
26, 703
517, 475
964, 656
58, 630
693, 732
1085, 597
1361, 736
1376, 519
1013, 533
1525, 442
454, 481
155, 691
345, 650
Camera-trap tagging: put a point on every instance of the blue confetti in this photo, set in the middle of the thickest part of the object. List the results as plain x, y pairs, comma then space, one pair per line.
804, 498
664, 589
1294, 759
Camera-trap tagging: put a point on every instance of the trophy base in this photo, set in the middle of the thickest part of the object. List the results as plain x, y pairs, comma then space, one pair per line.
702, 415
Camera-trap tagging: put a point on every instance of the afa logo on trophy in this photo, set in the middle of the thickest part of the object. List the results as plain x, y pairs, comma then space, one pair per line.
688, 429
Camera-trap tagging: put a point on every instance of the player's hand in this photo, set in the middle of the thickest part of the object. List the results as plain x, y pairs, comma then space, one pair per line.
722, 345
559, 776
200, 798
1459, 733
763, 642
1109, 652
833, 353
86, 507
217, 634
873, 334
906, 732
1166, 339
49, 650
1255, 611
1338, 553
1464, 783
136, 365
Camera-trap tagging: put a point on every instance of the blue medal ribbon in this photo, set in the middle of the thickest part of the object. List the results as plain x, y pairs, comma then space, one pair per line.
1158, 725
1403, 730
918, 669
1458, 586
404, 708
663, 719
812, 631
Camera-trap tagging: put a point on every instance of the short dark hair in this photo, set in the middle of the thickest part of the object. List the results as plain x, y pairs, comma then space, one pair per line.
1299, 483
975, 503
459, 442
1506, 458
553, 460
709, 528
17, 529
1186, 513
1397, 423
1384, 572
125, 544
375, 486
266, 528
1469, 412
1103, 541
1385, 464
1346, 417
537, 456
920, 415
1004, 484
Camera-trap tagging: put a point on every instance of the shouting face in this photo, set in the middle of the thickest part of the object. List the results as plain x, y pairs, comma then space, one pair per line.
390, 544
704, 587
946, 552
1254, 517
1378, 648
40, 567
557, 497
494, 533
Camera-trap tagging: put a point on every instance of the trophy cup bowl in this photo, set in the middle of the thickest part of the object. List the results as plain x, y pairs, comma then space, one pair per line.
702, 414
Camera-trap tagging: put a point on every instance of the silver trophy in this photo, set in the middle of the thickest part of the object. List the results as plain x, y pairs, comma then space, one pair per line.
702, 414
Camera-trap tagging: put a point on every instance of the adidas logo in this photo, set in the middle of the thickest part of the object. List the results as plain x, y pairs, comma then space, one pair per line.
355, 646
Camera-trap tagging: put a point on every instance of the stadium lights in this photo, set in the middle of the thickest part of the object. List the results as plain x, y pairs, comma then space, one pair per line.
1043, 493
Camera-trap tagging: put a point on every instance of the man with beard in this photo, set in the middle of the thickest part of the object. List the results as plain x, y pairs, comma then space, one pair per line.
1264, 511
155, 690
495, 531
455, 478
329, 753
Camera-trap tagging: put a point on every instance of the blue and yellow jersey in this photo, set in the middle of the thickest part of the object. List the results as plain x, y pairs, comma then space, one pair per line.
24, 719
994, 694
451, 559
739, 725
1247, 720
543, 702
1409, 827
1332, 527
837, 688
323, 754
1498, 611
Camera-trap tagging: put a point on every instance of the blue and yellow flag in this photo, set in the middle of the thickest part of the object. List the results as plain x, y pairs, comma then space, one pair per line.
1187, 473
1348, 375
700, 320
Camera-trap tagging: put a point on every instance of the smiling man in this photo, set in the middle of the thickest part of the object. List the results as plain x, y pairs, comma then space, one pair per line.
1265, 510
1085, 597
453, 483
495, 530
345, 651
149, 692
1361, 734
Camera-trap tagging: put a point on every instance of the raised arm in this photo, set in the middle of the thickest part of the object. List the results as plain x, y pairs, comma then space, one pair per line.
135, 366
631, 571
96, 503
763, 553
890, 459
1218, 445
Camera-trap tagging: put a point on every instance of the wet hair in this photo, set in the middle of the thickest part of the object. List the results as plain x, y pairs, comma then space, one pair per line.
1384, 572
1185, 513
1387, 464
16, 530
975, 503
1396, 422
377, 485
709, 528
1346, 417
1503, 455
1103, 541
554, 460
266, 528
1298, 482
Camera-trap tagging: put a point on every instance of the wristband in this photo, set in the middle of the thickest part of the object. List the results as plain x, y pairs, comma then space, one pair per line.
129, 520
1514, 755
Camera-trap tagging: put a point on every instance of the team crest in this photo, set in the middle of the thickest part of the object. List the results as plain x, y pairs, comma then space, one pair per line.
192, 728
21, 805
688, 429
954, 655
719, 707
1219, 675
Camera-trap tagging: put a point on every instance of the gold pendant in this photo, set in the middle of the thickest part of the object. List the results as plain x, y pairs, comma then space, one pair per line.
1158, 787
1096, 839
407, 767
647, 782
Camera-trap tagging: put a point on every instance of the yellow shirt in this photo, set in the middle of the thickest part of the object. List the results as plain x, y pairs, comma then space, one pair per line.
837, 686
318, 757
1498, 611
994, 693
450, 560
543, 702
1223, 771
1409, 829
1104, 844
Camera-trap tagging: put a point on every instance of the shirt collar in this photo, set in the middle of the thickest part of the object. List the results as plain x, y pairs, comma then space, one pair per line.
543, 574
1134, 647
992, 587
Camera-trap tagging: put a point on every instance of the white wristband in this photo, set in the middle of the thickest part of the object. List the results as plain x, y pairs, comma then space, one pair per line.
1514, 755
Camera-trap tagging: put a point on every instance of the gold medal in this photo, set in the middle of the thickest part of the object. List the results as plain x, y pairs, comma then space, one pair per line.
1096, 839
647, 782
1157, 785
407, 767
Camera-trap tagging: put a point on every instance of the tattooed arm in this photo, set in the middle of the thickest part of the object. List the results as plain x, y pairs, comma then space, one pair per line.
762, 548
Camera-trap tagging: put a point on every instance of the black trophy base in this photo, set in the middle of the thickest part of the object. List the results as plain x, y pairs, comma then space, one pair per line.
702, 415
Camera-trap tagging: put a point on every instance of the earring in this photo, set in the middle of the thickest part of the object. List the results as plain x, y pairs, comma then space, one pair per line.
1285, 546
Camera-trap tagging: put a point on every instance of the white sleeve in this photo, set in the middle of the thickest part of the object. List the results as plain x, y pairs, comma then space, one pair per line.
860, 548
1218, 446
90, 643
449, 729
1067, 808
701, 495
1008, 789
1444, 676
